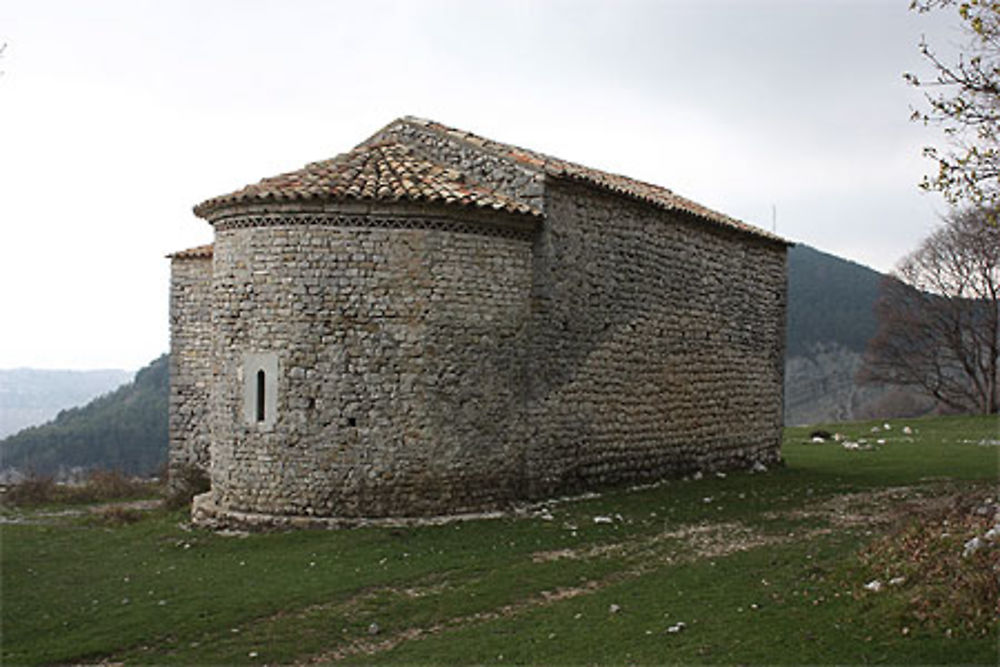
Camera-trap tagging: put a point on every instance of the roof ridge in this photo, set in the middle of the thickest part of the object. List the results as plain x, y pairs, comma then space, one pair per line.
493, 147
551, 166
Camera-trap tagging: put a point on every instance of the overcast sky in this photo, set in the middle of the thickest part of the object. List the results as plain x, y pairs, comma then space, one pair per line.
116, 117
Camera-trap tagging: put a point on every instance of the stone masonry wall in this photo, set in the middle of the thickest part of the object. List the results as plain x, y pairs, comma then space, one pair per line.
657, 345
401, 361
190, 363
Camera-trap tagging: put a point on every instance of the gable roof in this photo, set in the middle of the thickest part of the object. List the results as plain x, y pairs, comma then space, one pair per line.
632, 188
386, 168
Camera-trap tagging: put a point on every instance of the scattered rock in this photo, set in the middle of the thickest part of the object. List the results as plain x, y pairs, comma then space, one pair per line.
821, 434
373, 629
972, 546
676, 627
614, 609
897, 581
874, 586
758, 467
603, 519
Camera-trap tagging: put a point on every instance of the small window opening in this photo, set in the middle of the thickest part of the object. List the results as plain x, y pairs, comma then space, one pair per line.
260, 395
351, 421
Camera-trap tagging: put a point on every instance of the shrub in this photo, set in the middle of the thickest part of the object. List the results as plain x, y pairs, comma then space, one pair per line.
32, 490
98, 486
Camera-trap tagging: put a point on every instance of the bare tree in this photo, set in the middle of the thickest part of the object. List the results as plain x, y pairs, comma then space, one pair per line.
963, 97
939, 317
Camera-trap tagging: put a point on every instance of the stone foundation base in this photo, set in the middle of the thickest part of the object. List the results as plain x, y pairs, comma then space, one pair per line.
206, 514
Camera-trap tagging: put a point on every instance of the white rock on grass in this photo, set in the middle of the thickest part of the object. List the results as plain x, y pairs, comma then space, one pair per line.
603, 519
614, 609
972, 546
874, 586
676, 627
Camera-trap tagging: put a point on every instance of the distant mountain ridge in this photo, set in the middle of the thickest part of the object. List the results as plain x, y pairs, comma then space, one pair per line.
830, 320
31, 396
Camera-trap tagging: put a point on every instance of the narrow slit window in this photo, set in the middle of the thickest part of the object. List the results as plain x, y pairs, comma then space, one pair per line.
259, 378
260, 395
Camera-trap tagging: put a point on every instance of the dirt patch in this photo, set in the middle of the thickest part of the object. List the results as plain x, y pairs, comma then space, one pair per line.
100, 510
683, 544
640, 556
703, 540
850, 510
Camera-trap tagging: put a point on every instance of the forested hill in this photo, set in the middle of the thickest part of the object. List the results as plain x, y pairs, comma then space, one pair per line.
830, 301
829, 322
32, 396
125, 429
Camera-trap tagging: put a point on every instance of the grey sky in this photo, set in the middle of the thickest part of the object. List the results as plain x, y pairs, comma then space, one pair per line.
117, 117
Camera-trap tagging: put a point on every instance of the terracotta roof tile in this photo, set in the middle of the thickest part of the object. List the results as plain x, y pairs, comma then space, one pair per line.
198, 252
388, 171
647, 192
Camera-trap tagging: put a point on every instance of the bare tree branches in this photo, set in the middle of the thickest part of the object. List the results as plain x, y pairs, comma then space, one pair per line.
964, 99
939, 317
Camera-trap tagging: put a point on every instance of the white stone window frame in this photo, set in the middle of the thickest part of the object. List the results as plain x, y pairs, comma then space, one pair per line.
255, 363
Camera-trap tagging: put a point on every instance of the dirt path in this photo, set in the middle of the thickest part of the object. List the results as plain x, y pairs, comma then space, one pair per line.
646, 554
40, 517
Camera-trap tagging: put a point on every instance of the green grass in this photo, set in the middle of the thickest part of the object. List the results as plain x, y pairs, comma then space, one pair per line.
753, 579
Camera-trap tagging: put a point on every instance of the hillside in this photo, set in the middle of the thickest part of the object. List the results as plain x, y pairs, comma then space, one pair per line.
830, 302
30, 396
830, 320
125, 429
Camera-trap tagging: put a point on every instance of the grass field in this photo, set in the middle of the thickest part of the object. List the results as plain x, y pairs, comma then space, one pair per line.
746, 568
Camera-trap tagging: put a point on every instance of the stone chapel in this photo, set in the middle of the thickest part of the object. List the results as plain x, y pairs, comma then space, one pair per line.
434, 323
